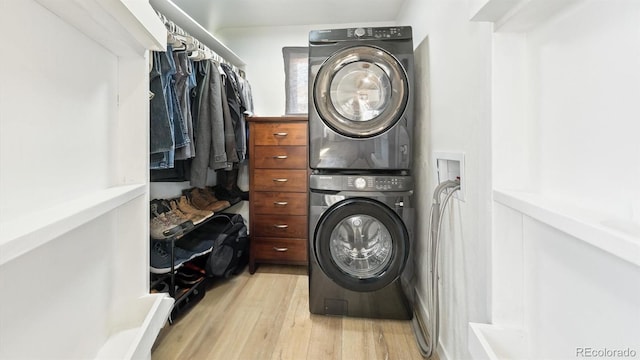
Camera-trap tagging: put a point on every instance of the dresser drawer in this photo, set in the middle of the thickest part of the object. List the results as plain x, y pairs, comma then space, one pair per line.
279, 203
279, 133
280, 157
280, 180
288, 226
280, 250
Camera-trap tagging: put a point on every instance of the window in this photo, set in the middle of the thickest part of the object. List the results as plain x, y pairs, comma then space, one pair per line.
296, 64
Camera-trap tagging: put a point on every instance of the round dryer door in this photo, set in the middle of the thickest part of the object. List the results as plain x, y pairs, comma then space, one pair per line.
361, 91
361, 244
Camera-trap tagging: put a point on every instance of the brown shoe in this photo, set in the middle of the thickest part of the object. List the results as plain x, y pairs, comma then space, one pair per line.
216, 204
198, 200
186, 207
205, 200
195, 218
207, 195
219, 205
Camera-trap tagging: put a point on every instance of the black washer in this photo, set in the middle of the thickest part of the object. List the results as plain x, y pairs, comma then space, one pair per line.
368, 207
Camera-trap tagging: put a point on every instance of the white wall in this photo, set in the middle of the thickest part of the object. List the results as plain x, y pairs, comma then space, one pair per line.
453, 112
55, 117
261, 49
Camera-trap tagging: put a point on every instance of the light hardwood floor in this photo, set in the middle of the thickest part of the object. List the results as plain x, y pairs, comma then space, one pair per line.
266, 316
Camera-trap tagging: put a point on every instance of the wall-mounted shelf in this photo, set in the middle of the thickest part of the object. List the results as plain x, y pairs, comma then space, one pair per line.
28, 233
519, 15
188, 24
125, 27
144, 322
616, 236
487, 341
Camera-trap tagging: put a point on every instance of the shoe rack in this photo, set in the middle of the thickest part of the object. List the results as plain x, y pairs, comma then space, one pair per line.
184, 297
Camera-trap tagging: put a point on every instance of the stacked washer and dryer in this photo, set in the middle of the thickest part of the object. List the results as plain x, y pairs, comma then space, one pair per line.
361, 206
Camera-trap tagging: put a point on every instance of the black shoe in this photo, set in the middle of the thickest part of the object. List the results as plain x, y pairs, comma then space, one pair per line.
237, 192
224, 194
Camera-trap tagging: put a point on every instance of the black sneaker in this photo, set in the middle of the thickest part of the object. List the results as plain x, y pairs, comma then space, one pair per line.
160, 257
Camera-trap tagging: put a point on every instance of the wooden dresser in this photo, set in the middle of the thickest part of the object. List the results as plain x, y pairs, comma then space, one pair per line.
278, 203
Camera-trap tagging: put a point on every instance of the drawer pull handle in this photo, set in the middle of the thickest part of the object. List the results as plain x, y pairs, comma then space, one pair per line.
280, 203
279, 249
280, 134
280, 226
280, 157
281, 180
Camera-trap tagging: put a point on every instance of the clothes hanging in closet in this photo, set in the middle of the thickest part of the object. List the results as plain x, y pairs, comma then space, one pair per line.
198, 121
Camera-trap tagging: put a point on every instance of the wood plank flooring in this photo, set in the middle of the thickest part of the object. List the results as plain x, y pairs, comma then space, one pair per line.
266, 316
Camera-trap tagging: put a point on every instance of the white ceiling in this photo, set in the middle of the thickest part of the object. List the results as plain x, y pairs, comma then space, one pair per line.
217, 14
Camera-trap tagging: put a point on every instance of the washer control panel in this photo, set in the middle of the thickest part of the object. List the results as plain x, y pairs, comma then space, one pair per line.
361, 182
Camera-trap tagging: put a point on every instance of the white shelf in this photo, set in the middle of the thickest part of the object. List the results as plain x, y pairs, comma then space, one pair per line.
616, 236
125, 27
493, 342
135, 342
520, 15
188, 24
27, 233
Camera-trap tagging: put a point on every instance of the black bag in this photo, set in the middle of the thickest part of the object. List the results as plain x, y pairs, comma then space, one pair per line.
230, 253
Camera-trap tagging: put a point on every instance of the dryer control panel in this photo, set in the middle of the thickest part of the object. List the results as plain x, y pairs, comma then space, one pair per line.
361, 182
367, 33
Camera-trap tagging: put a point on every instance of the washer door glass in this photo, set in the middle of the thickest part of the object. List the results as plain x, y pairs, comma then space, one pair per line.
361, 91
361, 246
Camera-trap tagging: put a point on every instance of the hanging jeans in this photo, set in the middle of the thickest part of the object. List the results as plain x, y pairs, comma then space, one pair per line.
160, 131
181, 91
168, 69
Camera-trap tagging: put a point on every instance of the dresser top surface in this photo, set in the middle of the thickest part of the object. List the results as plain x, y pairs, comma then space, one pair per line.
277, 118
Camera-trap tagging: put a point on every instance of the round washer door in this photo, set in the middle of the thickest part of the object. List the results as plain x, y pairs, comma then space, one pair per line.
361, 244
361, 91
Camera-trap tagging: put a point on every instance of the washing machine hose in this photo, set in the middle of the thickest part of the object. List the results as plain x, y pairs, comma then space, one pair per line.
427, 337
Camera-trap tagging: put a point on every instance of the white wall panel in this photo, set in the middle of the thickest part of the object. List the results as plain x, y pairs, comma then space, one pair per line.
59, 100
453, 115
576, 295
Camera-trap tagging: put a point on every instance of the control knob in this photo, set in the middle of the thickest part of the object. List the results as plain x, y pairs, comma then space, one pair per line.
360, 183
359, 32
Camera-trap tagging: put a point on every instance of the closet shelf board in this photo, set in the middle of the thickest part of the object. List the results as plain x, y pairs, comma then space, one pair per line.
188, 24
23, 235
494, 342
124, 27
616, 236
520, 15
135, 342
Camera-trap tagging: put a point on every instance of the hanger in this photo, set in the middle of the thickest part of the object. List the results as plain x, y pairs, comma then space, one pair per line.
180, 40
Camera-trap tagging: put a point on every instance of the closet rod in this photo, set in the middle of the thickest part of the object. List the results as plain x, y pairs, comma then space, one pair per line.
186, 22
181, 40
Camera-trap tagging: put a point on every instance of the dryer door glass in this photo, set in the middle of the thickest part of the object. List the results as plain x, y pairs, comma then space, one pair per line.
361, 246
360, 91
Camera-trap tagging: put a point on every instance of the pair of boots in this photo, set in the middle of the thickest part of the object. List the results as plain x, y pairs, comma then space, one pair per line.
227, 186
